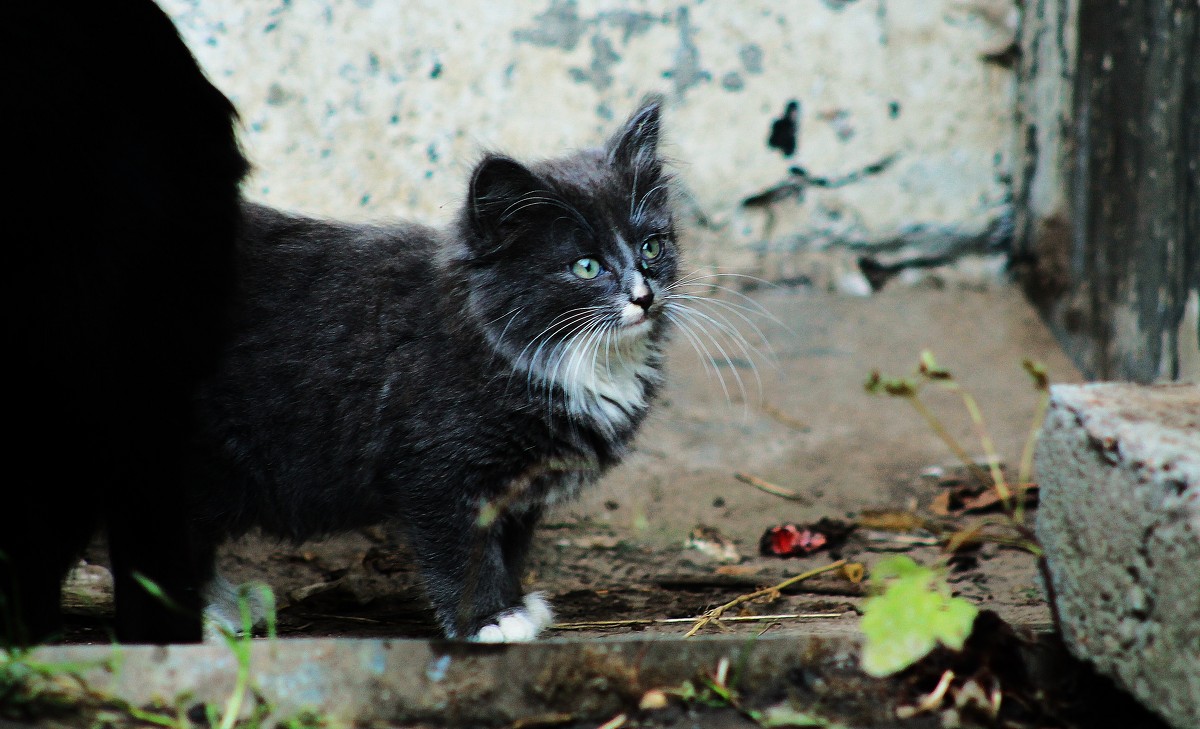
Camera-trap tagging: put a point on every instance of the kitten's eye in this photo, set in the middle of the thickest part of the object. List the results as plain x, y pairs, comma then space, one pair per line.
652, 248
586, 268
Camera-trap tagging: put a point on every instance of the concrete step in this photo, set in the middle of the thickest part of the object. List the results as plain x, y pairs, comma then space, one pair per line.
1119, 469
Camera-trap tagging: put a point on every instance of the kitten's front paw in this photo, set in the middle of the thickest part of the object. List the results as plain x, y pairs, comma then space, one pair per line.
518, 625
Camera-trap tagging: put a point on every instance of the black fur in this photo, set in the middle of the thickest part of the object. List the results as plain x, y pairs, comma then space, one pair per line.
117, 276
381, 373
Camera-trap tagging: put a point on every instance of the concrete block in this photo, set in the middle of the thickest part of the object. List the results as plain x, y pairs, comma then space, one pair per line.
1119, 469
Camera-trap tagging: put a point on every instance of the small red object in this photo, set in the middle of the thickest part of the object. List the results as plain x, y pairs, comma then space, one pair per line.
789, 540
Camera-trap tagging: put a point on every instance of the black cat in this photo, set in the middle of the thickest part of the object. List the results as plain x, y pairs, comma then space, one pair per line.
123, 171
451, 382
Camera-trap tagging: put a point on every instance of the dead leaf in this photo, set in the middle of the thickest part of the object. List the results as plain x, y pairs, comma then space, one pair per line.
892, 521
941, 504
962, 538
387, 561
736, 570
987, 500
963, 499
854, 571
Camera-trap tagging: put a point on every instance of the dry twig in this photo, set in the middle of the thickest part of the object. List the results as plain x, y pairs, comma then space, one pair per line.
642, 622
771, 488
773, 591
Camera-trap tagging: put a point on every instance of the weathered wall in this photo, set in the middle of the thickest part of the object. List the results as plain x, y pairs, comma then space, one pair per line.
904, 107
1107, 192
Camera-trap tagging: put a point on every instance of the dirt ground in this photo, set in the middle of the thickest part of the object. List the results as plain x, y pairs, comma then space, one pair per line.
625, 557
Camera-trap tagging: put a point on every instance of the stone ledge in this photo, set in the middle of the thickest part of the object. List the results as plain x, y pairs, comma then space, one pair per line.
453, 683
1119, 469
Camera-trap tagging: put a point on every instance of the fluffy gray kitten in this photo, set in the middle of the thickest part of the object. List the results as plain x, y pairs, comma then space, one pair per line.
451, 383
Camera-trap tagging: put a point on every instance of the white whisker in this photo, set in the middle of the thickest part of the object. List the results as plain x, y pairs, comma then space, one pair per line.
561, 323
544, 197
633, 191
729, 328
637, 215
751, 306
513, 310
583, 344
690, 311
706, 360
569, 331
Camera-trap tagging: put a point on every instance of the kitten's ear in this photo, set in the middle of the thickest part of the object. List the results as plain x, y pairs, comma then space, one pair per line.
497, 185
636, 143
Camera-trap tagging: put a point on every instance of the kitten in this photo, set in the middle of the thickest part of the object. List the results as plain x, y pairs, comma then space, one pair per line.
118, 271
453, 383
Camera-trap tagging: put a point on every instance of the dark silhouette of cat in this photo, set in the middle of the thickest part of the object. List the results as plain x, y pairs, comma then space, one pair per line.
117, 279
452, 383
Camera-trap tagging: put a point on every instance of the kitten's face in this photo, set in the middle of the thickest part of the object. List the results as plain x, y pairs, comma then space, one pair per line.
574, 257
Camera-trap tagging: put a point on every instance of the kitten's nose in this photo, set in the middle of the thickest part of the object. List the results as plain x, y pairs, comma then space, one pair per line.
643, 297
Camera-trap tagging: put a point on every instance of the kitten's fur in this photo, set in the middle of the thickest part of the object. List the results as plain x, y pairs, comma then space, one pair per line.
451, 382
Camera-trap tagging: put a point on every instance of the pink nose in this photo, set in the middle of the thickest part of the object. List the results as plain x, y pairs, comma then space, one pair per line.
644, 298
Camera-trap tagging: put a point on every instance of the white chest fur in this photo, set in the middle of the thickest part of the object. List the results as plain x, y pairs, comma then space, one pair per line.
605, 381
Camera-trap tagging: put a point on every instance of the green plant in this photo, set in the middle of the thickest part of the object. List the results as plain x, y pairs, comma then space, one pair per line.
32, 689
1012, 497
240, 643
910, 613
304, 720
913, 610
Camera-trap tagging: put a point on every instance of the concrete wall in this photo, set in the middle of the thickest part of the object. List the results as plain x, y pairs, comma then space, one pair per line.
1107, 192
368, 109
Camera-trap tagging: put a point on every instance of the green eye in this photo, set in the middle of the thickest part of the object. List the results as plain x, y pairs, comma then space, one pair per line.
652, 249
586, 268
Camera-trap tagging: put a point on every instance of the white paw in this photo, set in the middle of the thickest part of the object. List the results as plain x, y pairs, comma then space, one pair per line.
519, 625
223, 611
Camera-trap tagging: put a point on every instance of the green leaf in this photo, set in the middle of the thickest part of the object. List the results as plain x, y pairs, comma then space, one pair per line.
900, 566
913, 614
929, 367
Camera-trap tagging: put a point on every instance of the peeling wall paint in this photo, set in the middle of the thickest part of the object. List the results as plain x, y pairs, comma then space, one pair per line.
379, 109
